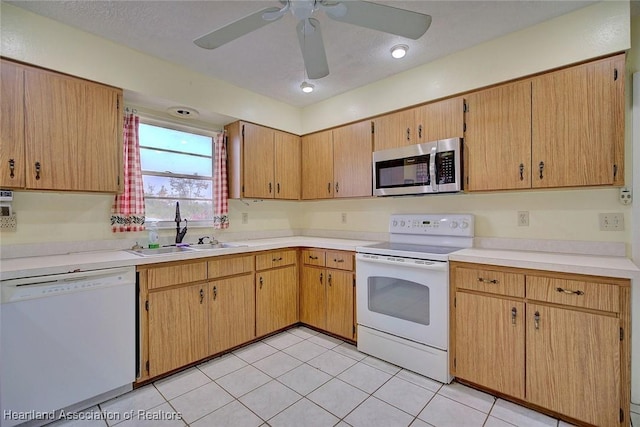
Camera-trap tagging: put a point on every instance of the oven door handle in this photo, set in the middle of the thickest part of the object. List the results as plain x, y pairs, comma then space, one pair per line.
424, 265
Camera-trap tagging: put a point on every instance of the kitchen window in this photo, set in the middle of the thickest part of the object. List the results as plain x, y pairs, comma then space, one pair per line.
177, 166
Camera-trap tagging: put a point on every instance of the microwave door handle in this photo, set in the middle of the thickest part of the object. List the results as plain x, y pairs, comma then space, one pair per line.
432, 168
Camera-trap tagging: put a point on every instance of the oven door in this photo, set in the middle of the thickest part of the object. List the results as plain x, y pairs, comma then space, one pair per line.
405, 297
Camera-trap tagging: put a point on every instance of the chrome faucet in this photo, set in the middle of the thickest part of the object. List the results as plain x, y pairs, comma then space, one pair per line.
180, 233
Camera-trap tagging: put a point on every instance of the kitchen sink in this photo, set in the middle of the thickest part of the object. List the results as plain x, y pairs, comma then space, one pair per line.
219, 245
161, 251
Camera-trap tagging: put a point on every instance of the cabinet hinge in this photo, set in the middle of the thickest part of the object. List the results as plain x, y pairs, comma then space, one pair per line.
621, 415
621, 334
464, 127
242, 131
117, 104
354, 282
455, 303
354, 329
146, 365
615, 74
146, 307
467, 180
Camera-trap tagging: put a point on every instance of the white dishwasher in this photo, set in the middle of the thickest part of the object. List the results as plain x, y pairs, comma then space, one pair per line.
67, 342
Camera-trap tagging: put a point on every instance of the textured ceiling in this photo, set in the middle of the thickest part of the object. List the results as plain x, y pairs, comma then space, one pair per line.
268, 61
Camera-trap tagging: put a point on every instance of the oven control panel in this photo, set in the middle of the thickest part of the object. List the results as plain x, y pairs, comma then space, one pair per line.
432, 224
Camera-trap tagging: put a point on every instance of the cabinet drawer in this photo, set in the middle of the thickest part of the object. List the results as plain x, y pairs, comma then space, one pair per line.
230, 266
340, 260
494, 282
313, 257
160, 277
275, 259
577, 293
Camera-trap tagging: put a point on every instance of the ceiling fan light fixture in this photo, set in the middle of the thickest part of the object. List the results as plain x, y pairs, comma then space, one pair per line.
307, 87
399, 51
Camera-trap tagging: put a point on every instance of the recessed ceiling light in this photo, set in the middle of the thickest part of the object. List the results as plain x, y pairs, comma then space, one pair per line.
307, 87
183, 112
399, 51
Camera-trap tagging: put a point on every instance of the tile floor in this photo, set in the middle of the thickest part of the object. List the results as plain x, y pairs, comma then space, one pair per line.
301, 378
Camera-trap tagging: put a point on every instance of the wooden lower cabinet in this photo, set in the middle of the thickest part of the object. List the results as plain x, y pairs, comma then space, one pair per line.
232, 312
276, 299
327, 294
491, 332
177, 327
547, 346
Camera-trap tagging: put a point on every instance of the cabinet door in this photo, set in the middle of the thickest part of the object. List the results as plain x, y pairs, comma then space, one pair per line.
395, 130
276, 299
313, 297
317, 166
232, 313
440, 120
287, 166
488, 335
177, 328
73, 131
340, 320
571, 355
258, 161
12, 162
577, 125
498, 138
352, 159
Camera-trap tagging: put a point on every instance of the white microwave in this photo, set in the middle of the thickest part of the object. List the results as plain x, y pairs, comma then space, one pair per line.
430, 167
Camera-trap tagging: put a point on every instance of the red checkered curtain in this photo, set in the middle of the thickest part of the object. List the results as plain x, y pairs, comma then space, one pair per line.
127, 213
220, 190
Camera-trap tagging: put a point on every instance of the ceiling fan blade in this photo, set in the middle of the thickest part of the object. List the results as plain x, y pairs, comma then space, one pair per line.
313, 53
388, 19
236, 29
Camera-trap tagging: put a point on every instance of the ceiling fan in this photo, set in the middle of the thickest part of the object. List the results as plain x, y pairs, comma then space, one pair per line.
401, 22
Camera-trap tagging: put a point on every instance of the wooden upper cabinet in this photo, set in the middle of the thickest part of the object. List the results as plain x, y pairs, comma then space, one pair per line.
271, 163
287, 166
578, 125
440, 120
258, 161
235, 155
352, 158
395, 130
497, 140
12, 162
317, 166
73, 133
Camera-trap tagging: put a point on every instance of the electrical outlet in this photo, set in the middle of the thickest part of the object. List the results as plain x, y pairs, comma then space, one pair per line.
611, 222
245, 217
344, 217
625, 196
523, 218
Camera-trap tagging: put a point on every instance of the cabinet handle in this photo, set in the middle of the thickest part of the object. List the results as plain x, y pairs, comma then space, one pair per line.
568, 291
37, 170
338, 260
329, 188
493, 281
278, 187
313, 257
408, 134
514, 313
329, 279
201, 295
270, 188
321, 276
521, 172
215, 292
277, 259
541, 168
337, 187
536, 320
420, 132
260, 282
12, 167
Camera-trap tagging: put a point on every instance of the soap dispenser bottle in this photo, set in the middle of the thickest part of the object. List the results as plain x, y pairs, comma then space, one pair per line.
154, 239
